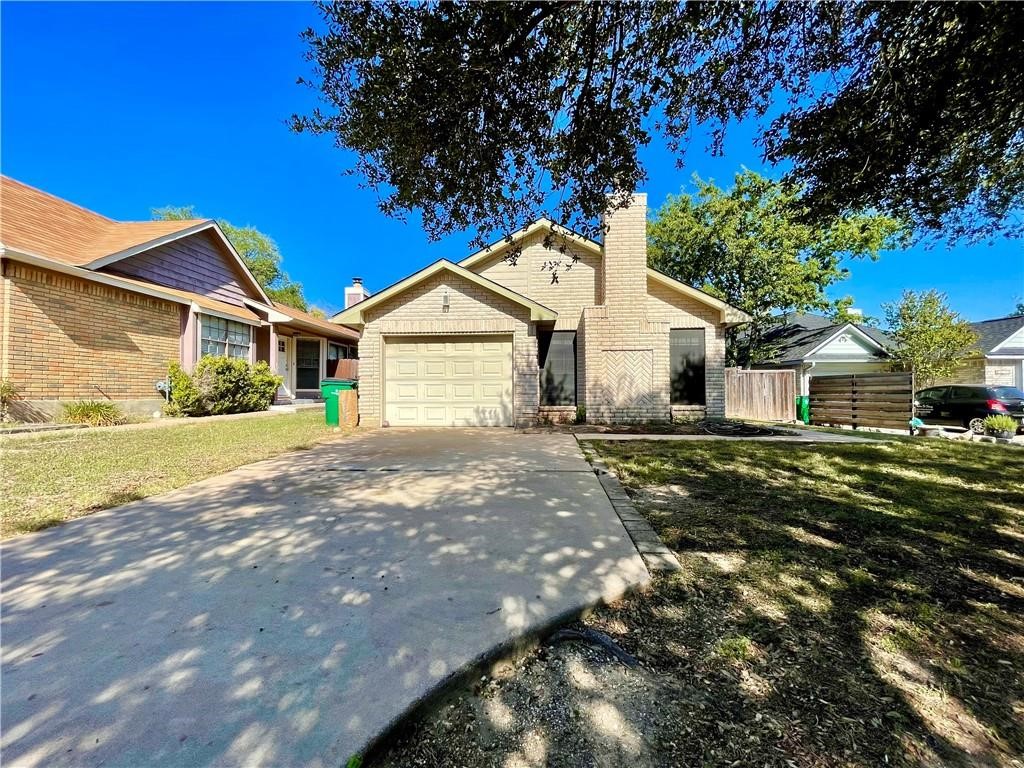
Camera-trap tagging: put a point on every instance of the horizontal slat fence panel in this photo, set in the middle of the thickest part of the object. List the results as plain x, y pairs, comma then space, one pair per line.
884, 400
760, 395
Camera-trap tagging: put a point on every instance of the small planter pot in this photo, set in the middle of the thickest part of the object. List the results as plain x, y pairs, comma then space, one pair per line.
1005, 434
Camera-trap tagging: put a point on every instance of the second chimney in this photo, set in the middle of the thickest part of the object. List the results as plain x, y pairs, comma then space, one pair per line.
355, 292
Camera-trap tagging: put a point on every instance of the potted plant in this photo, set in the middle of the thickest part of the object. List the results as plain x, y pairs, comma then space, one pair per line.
999, 425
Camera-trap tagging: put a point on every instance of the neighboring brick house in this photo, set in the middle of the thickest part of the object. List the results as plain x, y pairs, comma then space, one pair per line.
999, 358
96, 309
494, 341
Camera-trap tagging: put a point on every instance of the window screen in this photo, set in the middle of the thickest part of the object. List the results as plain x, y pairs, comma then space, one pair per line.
227, 338
307, 364
686, 353
557, 350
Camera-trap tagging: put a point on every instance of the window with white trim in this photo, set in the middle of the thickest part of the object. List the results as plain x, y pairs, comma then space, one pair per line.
225, 338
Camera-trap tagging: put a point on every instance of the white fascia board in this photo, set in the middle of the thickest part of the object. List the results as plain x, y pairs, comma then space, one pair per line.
88, 274
843, 329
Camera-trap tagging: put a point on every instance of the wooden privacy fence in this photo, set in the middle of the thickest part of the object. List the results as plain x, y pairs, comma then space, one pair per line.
343, 369
863, 400
760, 395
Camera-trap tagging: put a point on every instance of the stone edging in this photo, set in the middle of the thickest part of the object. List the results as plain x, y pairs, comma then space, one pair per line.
656, 556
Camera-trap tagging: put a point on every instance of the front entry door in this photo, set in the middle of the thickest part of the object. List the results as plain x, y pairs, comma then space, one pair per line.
284, 367
307, 364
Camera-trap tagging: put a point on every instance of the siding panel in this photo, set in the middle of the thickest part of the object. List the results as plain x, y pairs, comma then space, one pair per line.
197, 263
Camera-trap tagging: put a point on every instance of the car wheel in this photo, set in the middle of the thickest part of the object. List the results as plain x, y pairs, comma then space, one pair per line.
977, 425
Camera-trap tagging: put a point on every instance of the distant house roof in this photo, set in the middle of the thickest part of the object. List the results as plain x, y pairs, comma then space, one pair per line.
802, 334
37, 223
992, 333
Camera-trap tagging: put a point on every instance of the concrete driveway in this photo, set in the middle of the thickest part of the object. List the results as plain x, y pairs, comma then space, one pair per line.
286, 613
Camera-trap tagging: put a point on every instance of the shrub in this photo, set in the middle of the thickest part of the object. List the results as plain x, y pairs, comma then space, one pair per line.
185, 398
95, 413
8, 394
581, 414
998, 424
221, 385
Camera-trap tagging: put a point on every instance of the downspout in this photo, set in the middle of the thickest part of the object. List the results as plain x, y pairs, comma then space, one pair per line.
807, 377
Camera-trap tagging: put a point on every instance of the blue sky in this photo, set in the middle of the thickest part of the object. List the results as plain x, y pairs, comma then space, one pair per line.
122, 107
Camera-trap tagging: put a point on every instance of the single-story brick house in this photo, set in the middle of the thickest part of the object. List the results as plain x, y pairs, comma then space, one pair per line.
998, 359
96, 309
493, 340
813, 345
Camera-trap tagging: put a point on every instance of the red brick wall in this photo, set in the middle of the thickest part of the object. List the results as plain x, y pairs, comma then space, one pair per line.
69, 339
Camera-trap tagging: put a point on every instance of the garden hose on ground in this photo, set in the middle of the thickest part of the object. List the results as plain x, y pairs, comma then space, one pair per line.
734, 429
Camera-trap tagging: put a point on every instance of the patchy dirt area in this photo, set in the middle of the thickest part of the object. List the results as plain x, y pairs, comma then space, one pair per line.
707, 426
840, 605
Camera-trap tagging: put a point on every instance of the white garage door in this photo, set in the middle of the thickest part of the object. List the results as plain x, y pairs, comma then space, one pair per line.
448, 381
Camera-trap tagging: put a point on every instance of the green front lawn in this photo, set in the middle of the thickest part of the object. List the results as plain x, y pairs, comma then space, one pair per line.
58, 476
842, 604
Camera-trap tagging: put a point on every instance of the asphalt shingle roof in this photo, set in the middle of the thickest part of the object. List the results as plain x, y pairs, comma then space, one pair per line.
993, 332
45, 225
803, 332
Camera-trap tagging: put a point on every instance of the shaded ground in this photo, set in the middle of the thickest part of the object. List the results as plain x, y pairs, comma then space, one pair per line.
63, 475
841, 605
287, 612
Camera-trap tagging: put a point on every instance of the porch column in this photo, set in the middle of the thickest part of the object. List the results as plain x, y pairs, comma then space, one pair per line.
272, 354
190, 339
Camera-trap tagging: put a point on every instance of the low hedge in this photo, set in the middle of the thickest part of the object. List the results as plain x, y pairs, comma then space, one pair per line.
221, 385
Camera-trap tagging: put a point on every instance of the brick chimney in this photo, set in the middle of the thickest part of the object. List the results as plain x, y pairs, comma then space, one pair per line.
625, 254
355, 292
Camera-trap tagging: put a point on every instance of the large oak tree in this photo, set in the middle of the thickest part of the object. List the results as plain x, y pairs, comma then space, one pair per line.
486, 115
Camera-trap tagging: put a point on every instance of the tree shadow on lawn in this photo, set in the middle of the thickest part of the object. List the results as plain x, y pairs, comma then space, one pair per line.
847, 604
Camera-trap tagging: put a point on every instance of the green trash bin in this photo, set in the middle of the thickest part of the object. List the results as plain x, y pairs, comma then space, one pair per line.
329, 389
803, 408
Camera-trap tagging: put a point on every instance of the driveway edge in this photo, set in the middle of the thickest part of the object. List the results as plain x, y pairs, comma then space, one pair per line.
486, 663
656, 556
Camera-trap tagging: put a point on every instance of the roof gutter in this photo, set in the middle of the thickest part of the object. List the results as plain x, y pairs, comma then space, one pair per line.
87, 274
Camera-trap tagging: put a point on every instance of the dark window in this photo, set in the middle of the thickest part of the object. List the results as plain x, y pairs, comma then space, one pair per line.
686, 353
222, 337
932, 394
307, 364
557, 352
966, 393
1008, 393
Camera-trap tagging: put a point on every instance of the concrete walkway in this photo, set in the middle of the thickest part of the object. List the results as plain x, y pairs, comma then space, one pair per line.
286, 613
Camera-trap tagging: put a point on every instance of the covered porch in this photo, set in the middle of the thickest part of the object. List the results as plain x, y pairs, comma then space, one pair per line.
304, 350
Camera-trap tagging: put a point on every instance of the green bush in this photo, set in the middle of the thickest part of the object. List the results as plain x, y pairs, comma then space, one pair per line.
581, 414
221, 385
998, 423
95, 413
8, 394
185, 398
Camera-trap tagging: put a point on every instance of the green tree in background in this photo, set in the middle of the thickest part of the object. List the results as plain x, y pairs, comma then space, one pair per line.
259, 252
841, 312
1020, 309
930, 338
750, 246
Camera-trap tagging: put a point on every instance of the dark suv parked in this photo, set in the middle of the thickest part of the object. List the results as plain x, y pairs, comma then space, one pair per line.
967, 406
